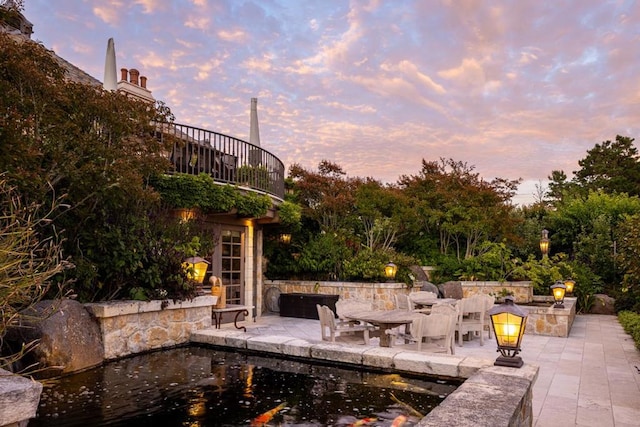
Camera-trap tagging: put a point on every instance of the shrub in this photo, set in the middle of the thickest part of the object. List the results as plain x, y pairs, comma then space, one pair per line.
630, 322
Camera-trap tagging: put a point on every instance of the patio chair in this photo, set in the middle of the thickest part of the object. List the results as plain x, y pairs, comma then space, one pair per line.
471, 316
422, 294
403, 302
452, 312
434, 332
330, 328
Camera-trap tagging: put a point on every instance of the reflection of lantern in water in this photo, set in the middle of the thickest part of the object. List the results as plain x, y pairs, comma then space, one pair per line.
197, 407
248, 383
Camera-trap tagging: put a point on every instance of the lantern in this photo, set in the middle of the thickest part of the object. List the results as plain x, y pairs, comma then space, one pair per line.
569, 283
285, 238
544, 243
558, 290
508, 322
196, 268
390, 270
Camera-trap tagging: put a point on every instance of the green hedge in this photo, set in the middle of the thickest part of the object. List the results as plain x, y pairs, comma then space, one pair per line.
630, 321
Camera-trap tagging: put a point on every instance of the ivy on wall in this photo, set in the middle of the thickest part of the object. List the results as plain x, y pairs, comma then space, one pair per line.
184, 191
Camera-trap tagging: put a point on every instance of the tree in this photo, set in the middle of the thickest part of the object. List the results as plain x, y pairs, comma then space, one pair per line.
461, 207
612, 167
98, 150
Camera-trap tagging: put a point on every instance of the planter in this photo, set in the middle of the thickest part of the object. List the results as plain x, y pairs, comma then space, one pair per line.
304, 305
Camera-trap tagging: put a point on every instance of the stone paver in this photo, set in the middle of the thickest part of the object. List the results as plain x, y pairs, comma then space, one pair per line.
591, 378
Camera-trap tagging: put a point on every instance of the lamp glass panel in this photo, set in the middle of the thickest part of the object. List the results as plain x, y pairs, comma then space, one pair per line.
507, 328
558, 294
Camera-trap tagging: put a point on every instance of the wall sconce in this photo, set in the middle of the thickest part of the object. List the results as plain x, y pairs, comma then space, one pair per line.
187, 215
544, 243
508, 322
390, 270
196, 268
285, 238
558, 290
569, 283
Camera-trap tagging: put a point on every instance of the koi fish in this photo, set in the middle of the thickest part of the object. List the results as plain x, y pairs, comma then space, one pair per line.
263, 419
363, 422
408, 407
399, 421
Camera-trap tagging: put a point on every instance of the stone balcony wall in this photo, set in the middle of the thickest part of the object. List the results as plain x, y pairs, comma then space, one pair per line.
130, 327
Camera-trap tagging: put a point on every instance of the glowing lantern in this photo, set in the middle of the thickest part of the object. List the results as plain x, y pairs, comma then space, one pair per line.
558, 290
196, 268
508, 322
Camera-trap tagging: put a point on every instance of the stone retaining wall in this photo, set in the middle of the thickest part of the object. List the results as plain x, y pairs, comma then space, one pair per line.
550, 321
380, 294
130, 327
521, 291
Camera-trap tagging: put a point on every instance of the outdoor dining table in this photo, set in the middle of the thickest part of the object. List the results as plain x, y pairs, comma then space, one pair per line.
385, 320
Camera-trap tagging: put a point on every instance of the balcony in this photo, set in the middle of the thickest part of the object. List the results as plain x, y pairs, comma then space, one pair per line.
228, 160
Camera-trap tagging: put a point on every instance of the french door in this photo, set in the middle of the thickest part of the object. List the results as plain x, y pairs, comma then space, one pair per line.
232, 263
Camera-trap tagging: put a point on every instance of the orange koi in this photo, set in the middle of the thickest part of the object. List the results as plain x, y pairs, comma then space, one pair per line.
363, 422
399, 421
263, 419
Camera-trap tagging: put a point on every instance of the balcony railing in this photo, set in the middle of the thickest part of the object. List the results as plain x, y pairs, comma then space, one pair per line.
227, 159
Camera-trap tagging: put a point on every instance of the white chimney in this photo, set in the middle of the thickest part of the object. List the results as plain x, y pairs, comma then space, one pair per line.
254, 132
110, 79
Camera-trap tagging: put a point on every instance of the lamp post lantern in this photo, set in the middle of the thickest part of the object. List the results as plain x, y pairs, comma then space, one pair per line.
544, 243
569, 283
390, 270
508, 322
558, 290
196, 268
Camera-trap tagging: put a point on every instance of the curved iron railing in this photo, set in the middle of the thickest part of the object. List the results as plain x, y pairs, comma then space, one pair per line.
225, 158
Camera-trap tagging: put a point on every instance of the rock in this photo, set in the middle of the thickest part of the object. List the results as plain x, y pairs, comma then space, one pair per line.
69, 337
603, 304
428, 286
418, 273
451, 290
19, 399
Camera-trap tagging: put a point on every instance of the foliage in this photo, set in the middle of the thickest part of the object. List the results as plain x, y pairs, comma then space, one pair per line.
544, 272
630, 322
98, 150
290, 214
254, 176
450, 199
628, 260
322, 257
200, 191
28, 261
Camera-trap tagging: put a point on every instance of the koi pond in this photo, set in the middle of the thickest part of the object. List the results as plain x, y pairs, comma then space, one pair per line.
197, 386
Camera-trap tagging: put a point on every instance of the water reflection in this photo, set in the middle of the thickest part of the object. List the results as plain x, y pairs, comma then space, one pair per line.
205, 387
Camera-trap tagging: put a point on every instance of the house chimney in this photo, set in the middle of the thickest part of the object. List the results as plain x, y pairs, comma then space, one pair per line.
124, 74
134, 74
143, 81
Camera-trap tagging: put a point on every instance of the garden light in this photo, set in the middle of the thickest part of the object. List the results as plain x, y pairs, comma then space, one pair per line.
544, 243
508, 322
196, 268
558, 290
390, 270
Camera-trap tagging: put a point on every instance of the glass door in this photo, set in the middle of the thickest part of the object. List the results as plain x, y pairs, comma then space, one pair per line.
232, 264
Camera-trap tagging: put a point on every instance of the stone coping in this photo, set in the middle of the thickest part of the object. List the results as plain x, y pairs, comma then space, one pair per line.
125, 307
490, 396
19, 398
311, 284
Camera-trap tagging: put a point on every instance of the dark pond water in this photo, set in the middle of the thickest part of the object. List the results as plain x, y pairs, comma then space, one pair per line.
195, 386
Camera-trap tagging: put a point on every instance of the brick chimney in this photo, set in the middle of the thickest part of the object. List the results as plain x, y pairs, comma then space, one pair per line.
143, 81
134, 74
124, 74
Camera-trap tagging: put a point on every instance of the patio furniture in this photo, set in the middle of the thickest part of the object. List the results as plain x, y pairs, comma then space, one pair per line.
471, 317
422, 296
238, 309
403, 302
385, 320
331, 329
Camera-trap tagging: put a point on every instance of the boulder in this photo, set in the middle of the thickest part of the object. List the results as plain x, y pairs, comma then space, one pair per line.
429, 287
69, 337
603, 304
451, 290
418, 273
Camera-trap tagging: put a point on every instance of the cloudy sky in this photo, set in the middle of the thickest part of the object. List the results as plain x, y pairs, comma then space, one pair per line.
515, 88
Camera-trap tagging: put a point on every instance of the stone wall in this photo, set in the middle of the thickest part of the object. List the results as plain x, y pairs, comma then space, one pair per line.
521, 291
380, 294
130, 327
550, 321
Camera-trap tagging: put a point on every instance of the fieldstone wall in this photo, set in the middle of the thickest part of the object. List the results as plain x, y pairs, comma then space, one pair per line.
550, 321
380, 294
130, 327
521, 291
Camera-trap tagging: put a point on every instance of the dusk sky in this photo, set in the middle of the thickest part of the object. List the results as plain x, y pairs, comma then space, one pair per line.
515, 88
